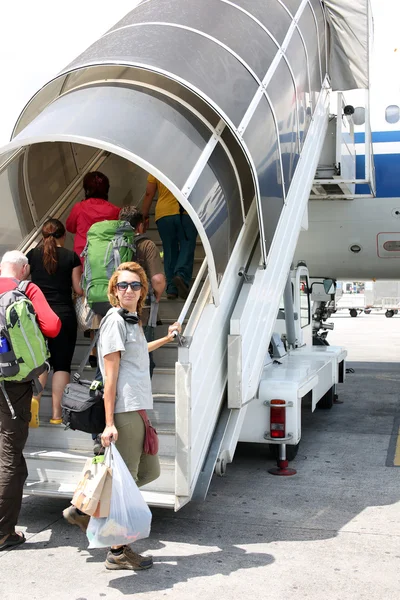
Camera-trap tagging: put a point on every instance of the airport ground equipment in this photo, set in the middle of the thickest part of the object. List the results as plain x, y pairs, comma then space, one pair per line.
228, 104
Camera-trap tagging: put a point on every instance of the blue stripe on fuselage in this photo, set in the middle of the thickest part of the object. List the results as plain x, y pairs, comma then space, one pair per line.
378, 136
387, 175
387, 166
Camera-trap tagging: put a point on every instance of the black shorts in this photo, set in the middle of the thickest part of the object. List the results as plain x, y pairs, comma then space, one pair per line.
62, 347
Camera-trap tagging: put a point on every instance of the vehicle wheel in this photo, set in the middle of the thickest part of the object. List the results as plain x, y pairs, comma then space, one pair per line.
367, 311
353, 312
291, 451
327, 399
396, 312
389, 314
220, 467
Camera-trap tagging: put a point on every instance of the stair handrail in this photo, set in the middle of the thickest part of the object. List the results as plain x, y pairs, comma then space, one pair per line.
192, 292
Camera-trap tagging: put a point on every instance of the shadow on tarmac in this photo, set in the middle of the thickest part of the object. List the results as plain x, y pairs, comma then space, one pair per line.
341, 471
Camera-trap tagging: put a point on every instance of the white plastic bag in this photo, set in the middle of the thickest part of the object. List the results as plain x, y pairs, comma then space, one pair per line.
130, 517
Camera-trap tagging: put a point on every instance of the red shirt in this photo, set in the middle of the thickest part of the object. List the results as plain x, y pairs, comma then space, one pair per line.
84, 214
49, 323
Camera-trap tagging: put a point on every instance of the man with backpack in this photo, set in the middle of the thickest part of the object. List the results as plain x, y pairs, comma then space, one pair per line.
111, 243
25, 317
148, 256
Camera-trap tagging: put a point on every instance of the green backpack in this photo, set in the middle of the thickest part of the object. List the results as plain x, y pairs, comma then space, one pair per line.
109, 243
26, 348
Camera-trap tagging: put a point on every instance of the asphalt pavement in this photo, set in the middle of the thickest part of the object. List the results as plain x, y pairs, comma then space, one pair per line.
331, 532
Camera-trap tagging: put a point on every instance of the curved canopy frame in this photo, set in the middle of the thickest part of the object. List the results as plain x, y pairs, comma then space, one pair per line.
213, 98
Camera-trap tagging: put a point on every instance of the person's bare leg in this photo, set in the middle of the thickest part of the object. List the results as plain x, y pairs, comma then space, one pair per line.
34, 422
60, 380
43, 381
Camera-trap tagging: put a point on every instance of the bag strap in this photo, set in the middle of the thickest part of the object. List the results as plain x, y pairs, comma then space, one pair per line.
152, 322
144, 416
85, 359
10, 406
22, 286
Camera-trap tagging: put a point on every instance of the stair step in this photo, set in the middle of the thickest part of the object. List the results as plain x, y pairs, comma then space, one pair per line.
56, 438
166, 356
64, 469
198, 252
163, 380
163, 409
56, 490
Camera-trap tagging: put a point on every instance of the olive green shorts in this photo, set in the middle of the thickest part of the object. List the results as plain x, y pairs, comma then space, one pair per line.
144, 468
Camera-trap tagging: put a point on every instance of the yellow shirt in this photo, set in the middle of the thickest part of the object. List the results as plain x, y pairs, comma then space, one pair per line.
167, 204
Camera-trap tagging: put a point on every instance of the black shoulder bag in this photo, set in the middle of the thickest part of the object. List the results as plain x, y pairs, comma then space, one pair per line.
83, 400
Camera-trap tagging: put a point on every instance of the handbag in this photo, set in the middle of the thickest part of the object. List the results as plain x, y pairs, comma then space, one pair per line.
151, 443
82, 402
84, 314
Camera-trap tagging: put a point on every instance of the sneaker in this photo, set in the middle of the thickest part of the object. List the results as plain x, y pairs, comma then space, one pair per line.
98, 447
34, 422
183, 290
128, 559
71, 515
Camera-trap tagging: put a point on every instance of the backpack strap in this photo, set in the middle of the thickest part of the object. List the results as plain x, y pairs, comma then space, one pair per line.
152, 322
10, 406
22, 286
85, 359
140, 236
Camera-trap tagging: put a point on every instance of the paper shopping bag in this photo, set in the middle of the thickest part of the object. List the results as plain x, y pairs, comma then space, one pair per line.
88, 492
103, 506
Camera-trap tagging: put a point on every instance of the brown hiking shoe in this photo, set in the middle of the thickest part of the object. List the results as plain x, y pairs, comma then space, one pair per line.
128, 559
183, 290
71, 515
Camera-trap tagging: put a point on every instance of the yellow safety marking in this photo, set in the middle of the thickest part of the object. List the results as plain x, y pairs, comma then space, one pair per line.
396, 460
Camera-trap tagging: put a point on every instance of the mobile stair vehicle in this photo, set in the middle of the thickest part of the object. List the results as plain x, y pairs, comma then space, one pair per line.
228, 104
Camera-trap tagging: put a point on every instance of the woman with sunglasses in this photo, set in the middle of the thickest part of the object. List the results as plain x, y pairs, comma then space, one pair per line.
124, 363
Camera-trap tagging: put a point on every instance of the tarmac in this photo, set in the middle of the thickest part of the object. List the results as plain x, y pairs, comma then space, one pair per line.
330, 532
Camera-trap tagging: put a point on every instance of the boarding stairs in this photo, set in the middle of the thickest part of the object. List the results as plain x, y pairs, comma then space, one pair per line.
55, 456
235, 132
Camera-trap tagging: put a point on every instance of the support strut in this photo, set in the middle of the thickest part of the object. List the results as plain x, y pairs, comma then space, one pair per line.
282, 463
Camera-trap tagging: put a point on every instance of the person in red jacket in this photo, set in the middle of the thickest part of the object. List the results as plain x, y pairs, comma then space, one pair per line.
93, 209
14, 431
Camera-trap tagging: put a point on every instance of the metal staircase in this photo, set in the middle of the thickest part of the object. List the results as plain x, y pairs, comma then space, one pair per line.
235, 132
55, 456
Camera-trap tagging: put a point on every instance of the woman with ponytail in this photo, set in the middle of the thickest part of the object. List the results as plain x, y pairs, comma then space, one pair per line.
57, 272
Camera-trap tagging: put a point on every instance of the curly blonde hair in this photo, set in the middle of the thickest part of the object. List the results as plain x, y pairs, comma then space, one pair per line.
132, 267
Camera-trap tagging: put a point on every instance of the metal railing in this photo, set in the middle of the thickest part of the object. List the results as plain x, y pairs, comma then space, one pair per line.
203, 299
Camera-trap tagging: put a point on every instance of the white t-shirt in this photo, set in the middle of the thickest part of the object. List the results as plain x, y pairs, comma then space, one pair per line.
133, 384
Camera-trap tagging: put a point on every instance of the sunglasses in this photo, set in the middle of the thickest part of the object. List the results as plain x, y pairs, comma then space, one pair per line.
122, 286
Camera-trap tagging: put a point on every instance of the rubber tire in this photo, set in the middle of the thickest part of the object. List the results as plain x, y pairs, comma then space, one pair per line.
291, 451
367, 311
327, 399
389, 314
353, 312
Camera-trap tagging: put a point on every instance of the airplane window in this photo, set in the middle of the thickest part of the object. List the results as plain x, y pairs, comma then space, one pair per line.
392, 113
359, 115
